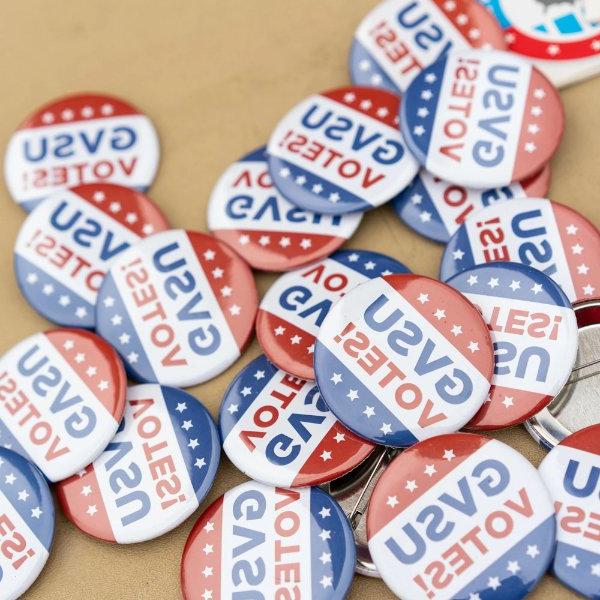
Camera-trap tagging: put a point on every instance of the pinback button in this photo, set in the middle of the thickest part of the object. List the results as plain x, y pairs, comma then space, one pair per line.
27, 524
461, 136
178, 306
534, 333
294, 307
297, 542
499, 526
341, 151
169, 445
83, 138
388, 49
576, 406
546, 235
353, 492
570, 472
67, 242
436, 208
246, 211
64, 395
402, 358
276, 429
562, 38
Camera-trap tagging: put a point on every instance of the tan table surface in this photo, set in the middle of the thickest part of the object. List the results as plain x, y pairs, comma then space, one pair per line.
215, 77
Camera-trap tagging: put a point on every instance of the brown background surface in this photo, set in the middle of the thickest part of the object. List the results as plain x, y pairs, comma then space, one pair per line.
215, 77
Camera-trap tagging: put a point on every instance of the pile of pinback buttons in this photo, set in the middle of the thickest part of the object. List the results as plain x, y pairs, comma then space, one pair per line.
351, 425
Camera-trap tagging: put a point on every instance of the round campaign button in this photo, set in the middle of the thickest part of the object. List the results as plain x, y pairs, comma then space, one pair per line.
294, 307
402, 358
276, 429
341, 151
246, 211
178, 306
482, 118
26, 524
63, 395
153, 475
436, 208
68, 241
83, 138
461, 516
562, 38
545, 235
399, 38
534, 333
258, 541
571, 473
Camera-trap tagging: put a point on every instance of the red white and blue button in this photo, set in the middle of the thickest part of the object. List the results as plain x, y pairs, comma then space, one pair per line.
341, 151
402, 358
562, 38
571, 472
295, 306
548, 236
482, 119
534, 333
258, 541
83, 138
399, 38
63, 395
154, 473
178, 306
246, 211
67, 242
277, 429
436, 208
26, 524
461, 516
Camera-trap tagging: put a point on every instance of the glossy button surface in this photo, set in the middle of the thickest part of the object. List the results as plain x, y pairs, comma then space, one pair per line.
401, 358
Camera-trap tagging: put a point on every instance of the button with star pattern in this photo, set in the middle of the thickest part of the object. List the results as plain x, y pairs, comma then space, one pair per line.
482, 118
153, 475
294, 307
534, 332
63, 395
571, 472
436, 208
561, 38
26, 524
341, 151
68, 241
259, 541
178, 306
548, 236
277, 430
398, 38
83, 138
461, 516
246, 211
402, 358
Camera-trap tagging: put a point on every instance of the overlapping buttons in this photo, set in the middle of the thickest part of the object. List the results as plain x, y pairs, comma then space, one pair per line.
295, 306
548, 236
482, 119
402, 358
67, 243
341, 151
494, 531
63, 395
293, 543
179, 307
83, 138
276, 429
153, 475
246, 211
